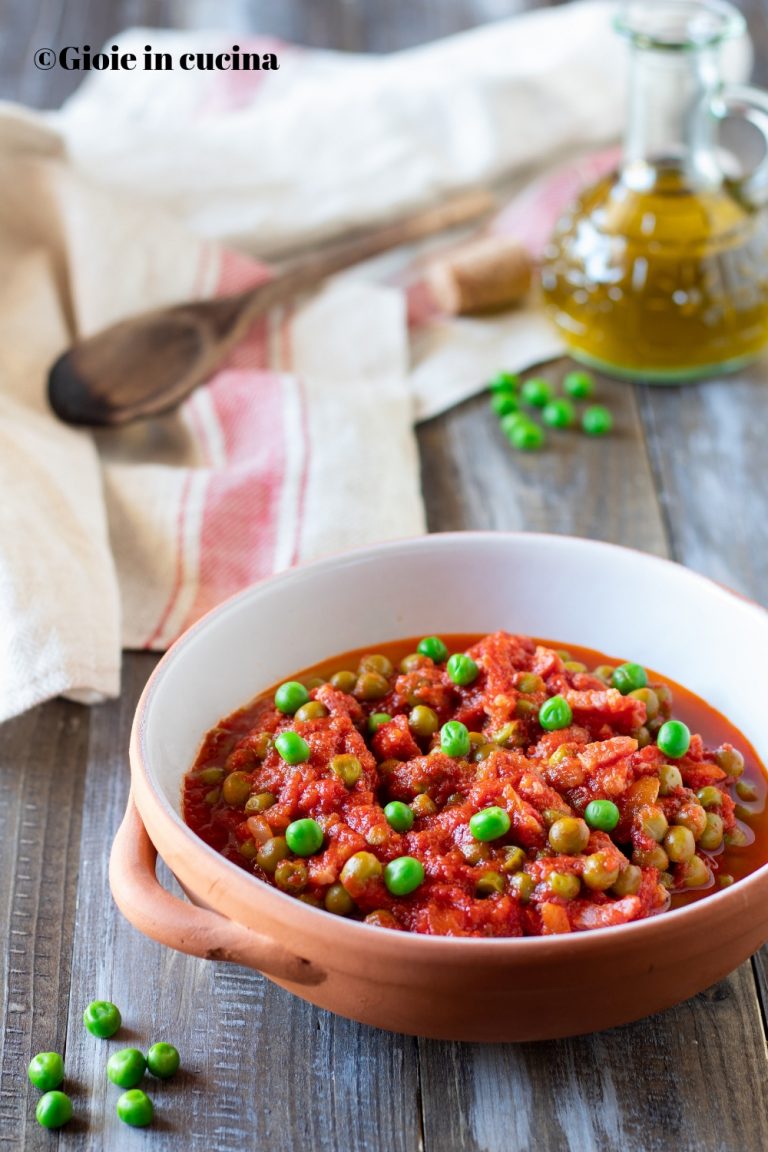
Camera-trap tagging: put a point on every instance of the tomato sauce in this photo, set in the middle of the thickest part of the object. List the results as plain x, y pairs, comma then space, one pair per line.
243, 798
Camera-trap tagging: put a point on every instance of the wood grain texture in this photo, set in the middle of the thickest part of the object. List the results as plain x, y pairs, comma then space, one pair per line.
260, 1068
603, 489
683, 475
663, 1083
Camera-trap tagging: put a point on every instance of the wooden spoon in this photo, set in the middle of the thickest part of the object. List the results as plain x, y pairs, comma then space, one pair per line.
147, 364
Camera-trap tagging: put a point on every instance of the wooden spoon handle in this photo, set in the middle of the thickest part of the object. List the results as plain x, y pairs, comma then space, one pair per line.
307, 271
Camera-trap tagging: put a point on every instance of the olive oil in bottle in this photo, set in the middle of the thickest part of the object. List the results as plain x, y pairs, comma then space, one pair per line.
660, 270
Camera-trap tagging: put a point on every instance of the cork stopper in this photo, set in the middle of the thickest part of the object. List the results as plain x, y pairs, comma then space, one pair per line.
482, 276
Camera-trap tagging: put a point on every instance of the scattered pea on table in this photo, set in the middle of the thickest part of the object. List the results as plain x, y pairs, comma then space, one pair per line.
597, 420
102, 1019
135, 1108
536, 392
163, 1060
46, 1070
54, 1109
126, 1067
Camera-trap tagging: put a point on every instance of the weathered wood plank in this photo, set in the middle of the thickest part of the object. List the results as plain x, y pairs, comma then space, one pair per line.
707, 447
261, 1068
603, 489
665, 1083
41, 800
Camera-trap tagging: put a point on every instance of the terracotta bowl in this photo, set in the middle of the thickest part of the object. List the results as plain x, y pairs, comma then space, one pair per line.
620, 602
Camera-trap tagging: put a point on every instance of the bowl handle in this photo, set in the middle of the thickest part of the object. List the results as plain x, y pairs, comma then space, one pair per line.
184, 926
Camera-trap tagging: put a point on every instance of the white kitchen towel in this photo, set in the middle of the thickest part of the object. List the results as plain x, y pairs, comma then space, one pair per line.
270, 160
302, 444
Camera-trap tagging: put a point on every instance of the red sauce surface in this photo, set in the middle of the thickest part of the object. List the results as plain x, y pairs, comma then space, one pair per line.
609, 753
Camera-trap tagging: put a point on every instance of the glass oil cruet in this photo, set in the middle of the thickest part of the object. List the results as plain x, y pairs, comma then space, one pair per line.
660, 270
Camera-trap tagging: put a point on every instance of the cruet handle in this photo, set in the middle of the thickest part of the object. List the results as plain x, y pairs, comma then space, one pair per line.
751, 104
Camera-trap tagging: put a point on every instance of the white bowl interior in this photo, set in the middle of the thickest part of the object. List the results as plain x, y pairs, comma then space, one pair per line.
621, 602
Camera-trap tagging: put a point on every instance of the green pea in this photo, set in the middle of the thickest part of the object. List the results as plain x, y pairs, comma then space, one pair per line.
602, 815
511, 420
338, 901
412, 661
291, 876
344, 680
290, 697
236, 789
489, 823
126, 1067
669, 779
135, 1108
568, 835
564, 884
46, 1070
259, 803
709, 797
359, 871
730, 760
489, 884
454, 739
423, 721
371, 686
504, 382
514, 858
674, 738
271, 853
403, 875
526, 436
399, 816
536, 392
163, 1060
377, 720
292, 748
597, 420
462, 669
433, 647
54, 1109
555, 713
628, 677
504, 402
376, 662
347, 767
304, 837
312, 710
102, 1019
522, 885
559, 413
580, 385
746, 791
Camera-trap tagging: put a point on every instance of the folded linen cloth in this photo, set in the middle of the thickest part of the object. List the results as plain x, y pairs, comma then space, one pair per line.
119, 202
128, 536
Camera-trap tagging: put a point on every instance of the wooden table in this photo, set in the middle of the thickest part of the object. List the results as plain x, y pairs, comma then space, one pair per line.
683, 476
